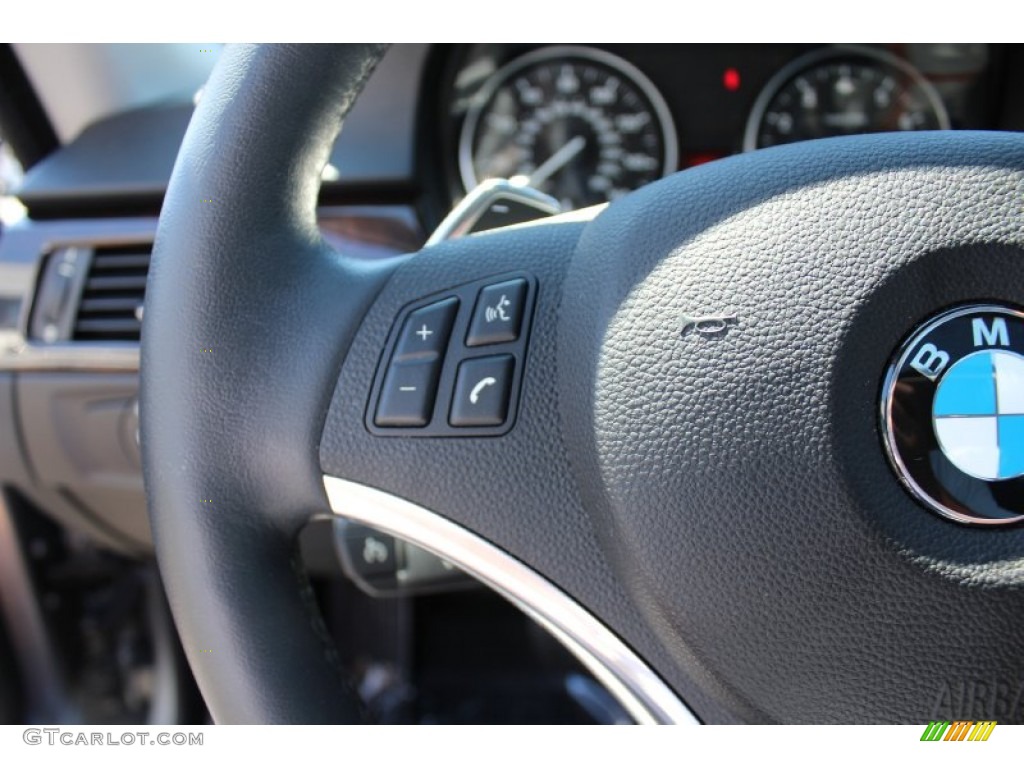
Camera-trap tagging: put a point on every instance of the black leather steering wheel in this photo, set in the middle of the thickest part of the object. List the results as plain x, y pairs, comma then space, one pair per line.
720, 501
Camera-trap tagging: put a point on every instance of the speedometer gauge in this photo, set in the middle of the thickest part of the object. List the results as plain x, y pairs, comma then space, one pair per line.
843, 90
580, 124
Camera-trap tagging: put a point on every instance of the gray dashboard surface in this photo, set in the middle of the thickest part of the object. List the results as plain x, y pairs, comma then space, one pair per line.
131, 155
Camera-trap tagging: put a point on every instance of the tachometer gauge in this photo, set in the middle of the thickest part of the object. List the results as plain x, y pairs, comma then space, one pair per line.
577, 123
843, 90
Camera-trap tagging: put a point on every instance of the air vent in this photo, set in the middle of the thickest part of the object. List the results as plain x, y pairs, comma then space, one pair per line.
111, 305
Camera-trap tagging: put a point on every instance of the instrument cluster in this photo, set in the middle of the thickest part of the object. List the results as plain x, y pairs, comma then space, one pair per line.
588, 124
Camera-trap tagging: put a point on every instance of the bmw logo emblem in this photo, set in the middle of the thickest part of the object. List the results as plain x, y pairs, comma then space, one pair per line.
953, 414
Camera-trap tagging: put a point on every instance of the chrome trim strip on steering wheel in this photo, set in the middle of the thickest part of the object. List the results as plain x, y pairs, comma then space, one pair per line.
634, 684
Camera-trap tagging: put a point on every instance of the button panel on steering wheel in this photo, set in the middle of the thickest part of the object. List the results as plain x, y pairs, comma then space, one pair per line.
453, 363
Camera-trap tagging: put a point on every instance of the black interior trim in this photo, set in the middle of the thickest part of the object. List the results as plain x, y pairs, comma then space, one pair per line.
23, 121
82, 204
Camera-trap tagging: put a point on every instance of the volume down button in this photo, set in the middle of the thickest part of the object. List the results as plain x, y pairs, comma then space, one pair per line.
407, 395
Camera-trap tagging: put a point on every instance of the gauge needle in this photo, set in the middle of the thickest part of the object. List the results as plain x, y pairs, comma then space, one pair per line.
550, 166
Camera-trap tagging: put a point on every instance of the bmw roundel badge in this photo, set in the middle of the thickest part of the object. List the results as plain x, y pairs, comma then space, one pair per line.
953, 414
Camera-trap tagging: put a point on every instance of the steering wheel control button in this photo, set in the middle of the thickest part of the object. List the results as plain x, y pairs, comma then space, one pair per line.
407, 395
498, 314
382, 565
371, 553
953, 414
482, 391
425, 332
433, 348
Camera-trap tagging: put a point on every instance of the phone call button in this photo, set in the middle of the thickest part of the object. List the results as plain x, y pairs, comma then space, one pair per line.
482, 389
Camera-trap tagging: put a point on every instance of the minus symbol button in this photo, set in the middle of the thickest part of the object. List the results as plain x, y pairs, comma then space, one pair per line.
407, 394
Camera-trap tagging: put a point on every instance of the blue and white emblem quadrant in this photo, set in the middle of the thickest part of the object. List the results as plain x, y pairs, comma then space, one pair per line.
978, 413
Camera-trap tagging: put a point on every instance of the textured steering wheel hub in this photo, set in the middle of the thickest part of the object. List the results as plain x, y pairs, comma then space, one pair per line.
733, 327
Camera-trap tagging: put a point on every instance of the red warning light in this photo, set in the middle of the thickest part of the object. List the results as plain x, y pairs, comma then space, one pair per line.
731, 79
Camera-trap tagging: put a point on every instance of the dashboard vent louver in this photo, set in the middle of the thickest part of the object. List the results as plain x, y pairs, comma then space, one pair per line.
111, 304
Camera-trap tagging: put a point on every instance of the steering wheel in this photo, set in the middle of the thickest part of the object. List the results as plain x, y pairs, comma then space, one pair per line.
684, 476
